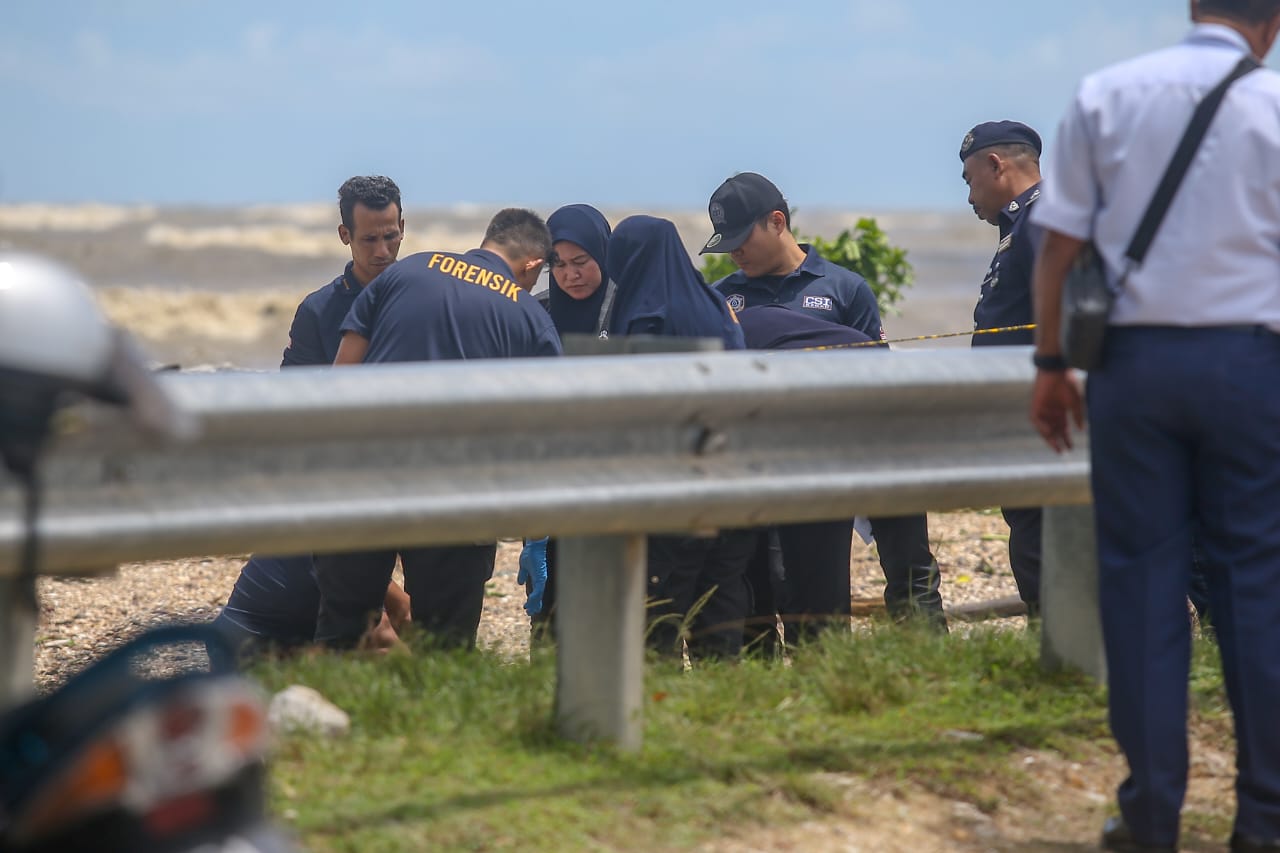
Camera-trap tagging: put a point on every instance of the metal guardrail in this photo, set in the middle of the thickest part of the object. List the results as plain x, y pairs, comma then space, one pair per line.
332, 459
597, 449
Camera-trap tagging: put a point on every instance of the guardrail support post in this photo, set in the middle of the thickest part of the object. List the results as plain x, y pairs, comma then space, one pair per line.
600, 603
1071, 633
17, 644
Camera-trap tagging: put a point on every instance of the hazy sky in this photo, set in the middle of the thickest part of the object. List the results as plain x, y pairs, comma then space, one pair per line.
847, 103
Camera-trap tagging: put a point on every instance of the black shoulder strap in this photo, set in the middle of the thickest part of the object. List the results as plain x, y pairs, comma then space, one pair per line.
1181, 161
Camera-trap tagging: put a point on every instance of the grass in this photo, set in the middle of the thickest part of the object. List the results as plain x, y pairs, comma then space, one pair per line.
459, 751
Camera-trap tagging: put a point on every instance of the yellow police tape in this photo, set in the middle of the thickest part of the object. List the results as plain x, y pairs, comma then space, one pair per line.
1022, 328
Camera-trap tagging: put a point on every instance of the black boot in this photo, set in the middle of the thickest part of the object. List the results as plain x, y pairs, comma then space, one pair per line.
922, 601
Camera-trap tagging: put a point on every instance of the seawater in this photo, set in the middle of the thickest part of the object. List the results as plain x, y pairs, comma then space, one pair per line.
219, 285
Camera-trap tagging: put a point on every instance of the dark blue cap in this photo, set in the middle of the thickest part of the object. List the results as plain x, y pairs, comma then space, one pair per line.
735, 207
998, 133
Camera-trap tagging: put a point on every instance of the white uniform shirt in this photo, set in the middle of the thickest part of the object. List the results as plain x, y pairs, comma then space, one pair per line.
1216, 258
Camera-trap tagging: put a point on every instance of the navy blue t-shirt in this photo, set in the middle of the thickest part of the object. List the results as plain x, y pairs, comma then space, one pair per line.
818, 288
435, 306
1006, 291
316, 330
778, 327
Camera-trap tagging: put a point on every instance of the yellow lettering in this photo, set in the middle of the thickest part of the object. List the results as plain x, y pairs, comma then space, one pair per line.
447, 265
514, 291
435, 259
485, 277
470, 277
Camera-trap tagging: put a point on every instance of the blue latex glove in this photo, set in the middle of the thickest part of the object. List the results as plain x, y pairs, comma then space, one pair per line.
533, 569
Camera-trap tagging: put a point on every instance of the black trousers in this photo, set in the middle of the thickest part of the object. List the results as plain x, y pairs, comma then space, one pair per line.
685, 569
803, 578
445, 586
1024, 553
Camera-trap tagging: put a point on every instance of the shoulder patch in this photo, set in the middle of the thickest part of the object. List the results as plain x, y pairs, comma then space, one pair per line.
736, 301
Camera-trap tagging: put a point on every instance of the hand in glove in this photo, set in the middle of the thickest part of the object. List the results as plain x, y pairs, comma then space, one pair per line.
533, 571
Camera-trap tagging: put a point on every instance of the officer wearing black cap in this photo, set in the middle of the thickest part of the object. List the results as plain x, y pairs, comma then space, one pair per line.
1002, 169
752, 224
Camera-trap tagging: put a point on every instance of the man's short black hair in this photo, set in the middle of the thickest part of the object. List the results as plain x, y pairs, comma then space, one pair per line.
1017, 151
520, 233
373, 191
1245, 11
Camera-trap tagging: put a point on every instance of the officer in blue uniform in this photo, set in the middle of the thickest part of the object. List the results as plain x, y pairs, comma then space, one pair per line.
436, 306
372, 226
275, 598
752, 224
1002, 170
807, 580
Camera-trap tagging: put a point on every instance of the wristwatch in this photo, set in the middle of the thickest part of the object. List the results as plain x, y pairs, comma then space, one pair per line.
1053, 363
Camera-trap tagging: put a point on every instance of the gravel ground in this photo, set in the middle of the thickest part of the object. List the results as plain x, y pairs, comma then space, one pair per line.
82, 618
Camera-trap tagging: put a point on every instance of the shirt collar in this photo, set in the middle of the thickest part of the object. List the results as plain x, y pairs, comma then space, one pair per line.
813, 262
1014, 209
1217, 34
496, 258
348, 280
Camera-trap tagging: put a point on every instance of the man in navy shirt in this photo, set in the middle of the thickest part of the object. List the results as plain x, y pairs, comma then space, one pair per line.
752, 224
275, 599
436, 306
372, 226
1002, 169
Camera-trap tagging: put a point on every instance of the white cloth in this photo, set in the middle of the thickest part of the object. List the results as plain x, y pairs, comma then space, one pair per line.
1216, 258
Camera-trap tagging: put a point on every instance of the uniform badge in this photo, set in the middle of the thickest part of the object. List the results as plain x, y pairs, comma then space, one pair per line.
966, 144
736, 301
1006, 244
822, 303
717, 213
1014, 207
1035, 195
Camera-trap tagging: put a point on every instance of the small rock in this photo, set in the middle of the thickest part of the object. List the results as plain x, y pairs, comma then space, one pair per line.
302, 709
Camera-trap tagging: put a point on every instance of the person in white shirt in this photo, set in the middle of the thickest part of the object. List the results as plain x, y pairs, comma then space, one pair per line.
1184, 409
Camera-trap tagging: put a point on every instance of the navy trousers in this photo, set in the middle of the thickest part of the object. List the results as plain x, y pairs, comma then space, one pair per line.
1185, 441
684, 570
1024, 553
445, 585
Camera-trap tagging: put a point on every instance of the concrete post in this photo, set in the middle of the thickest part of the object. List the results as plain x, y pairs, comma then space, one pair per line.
17, 644
600, 616
1071, 634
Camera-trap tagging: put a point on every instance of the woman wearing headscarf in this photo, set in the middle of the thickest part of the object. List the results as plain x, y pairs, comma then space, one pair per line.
580, 295
660, 292
579, 300
697, 586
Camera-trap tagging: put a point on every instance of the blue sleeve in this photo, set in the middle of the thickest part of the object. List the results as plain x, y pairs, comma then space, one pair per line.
862, 312
364, 311
305, 346
549, 341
